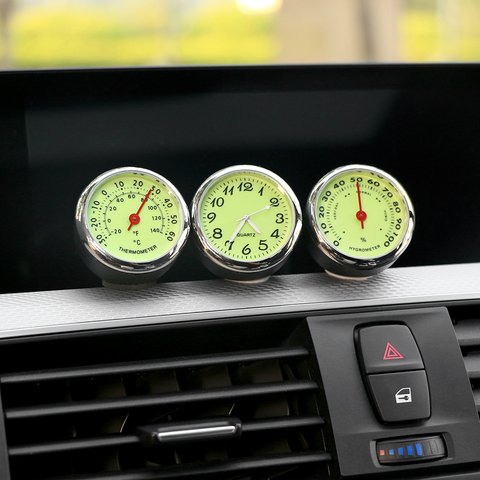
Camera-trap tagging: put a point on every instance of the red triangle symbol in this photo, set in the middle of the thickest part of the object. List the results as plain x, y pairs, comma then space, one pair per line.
391, 353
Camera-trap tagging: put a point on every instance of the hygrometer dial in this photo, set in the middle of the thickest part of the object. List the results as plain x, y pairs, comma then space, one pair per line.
360, 220
246, 221
131, 224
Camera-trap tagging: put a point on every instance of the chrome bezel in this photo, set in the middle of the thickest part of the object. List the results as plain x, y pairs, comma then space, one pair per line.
109, 260
228, 265
330, 251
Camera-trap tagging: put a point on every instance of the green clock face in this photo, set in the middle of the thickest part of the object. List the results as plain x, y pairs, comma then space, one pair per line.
246, 215
134, 216
362, 212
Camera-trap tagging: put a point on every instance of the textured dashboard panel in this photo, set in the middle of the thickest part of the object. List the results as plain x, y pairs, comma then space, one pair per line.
84, 309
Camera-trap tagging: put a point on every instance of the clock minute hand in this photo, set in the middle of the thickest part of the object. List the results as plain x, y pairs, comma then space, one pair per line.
240, 225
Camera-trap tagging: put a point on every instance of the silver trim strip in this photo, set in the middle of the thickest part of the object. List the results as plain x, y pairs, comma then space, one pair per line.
47, 312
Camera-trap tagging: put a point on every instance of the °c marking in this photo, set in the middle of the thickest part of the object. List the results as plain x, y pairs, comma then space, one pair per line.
391, 353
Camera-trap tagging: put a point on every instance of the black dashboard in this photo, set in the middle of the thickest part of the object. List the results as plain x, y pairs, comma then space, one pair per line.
303, 376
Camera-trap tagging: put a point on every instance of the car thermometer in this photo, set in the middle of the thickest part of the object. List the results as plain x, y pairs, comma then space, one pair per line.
360, 221
131, 224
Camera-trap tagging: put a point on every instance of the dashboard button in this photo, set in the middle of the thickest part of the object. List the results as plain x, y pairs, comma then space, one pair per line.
388, 348
400, 397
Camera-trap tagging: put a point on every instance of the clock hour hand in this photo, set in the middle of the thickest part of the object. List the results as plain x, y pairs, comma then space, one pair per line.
246, 218
253, 226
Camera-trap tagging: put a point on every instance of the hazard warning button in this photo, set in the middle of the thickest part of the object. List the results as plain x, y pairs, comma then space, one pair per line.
387, 349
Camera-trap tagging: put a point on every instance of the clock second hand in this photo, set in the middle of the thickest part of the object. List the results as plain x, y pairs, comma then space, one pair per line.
258, 211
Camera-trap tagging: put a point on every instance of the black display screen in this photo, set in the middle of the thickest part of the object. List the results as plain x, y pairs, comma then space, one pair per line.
59, 130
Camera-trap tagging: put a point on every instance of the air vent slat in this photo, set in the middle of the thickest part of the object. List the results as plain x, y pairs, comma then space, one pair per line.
214, 468
171, 398
108, 441
280, 423
468, 332
476, 397
472, 364
194, 361
120, 440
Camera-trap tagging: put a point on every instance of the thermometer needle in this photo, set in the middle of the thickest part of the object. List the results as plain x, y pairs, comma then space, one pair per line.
361, 215
135, 217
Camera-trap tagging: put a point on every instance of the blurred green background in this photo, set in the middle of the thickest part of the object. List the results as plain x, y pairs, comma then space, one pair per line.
73, 33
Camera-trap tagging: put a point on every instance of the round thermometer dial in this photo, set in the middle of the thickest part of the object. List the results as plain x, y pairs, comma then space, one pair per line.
361, 220
246, 221
131, 224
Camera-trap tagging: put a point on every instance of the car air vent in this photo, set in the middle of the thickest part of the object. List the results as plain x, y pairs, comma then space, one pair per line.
238, 415
467, 328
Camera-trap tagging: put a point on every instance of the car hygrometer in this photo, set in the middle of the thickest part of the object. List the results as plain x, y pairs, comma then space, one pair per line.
360, 221
246, 221
131, 224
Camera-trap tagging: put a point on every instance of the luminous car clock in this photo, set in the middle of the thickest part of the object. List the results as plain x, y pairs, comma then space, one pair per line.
131, 224
360, 221
246, 221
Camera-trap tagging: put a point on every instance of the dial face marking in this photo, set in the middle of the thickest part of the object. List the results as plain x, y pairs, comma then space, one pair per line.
246, 216
134, 217
361, 214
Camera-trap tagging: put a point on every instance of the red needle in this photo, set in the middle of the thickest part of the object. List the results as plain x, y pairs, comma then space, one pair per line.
135, 217
361, 215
